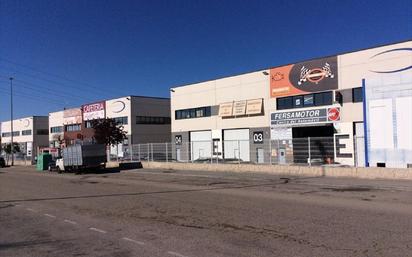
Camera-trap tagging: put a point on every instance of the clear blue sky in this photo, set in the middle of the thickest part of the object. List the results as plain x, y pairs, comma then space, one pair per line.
91, 50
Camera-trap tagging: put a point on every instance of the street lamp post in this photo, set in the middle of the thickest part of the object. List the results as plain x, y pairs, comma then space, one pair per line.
11, 121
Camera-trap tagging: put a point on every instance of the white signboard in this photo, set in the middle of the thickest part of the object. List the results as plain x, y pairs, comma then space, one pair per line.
94, 111
254, 106
72, 116
404, 122
226, 109
239, 108
282, 133
380, 124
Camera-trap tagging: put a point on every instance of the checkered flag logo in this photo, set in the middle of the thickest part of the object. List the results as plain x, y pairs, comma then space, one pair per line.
304, 72
328, 71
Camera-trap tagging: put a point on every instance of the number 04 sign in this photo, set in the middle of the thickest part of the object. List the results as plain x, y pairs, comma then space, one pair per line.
258, 137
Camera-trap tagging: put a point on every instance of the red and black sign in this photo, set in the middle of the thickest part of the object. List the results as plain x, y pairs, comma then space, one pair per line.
306, 77
333, 114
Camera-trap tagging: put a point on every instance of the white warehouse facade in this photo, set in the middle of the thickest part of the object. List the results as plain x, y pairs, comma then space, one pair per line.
144, 119
267, 116
30, 133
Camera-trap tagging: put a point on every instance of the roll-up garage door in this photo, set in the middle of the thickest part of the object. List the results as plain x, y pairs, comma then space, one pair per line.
201, 143
236, 144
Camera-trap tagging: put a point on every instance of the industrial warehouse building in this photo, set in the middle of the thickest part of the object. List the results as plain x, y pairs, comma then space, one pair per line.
145, 119
353, 108
269, 115
30, 133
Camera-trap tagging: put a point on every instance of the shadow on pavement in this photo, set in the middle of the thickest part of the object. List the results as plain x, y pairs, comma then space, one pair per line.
4, 246
122, 166
101, 171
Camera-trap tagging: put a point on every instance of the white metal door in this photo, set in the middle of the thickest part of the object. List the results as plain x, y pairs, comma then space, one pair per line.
260, 155
236, 144
201, 144
282, 156
178, 157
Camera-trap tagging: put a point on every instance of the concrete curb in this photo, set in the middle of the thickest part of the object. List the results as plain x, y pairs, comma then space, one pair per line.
353, 172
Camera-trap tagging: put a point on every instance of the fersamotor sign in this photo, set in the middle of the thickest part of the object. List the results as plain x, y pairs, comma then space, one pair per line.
330, 114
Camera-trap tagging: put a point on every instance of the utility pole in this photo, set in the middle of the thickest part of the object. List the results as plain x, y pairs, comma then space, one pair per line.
11, 120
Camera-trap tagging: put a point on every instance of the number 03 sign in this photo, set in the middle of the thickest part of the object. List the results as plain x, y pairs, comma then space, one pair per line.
258, 137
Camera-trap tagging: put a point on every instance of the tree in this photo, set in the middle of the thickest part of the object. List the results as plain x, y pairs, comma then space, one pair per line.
108, 131
7, 150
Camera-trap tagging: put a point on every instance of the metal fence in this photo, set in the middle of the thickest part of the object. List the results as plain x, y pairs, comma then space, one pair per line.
19, 158
297, 151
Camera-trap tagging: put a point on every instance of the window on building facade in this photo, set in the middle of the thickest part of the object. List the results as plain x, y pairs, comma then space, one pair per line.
88, 124
324, 98
16, 133
152, 120
284, 103
308, 100
57, 129
72, 127
357, 95
26, 132
42, 132
121, 120
8, 134
299, 101
193, 113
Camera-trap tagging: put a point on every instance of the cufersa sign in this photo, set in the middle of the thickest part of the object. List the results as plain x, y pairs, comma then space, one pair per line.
94, 111
305, 77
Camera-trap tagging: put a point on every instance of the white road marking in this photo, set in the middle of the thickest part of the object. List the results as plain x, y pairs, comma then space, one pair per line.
18, 205
176, 254
71, 222
49, 215
134, 241
98, 230
30, 209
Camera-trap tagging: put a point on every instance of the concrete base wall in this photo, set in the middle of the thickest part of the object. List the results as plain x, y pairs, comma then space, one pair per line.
21, 163
365, 173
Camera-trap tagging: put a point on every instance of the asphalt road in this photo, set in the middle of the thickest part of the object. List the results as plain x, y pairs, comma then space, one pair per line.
201, 214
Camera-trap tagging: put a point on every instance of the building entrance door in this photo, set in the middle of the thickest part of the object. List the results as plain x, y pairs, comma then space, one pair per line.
282, 156
178, 156
260, 155
314, 142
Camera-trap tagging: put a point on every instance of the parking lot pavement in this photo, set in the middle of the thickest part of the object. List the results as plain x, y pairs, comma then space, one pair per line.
250, 176
191, 213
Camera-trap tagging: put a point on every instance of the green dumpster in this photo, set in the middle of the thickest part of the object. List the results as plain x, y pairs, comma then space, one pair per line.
43, 161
